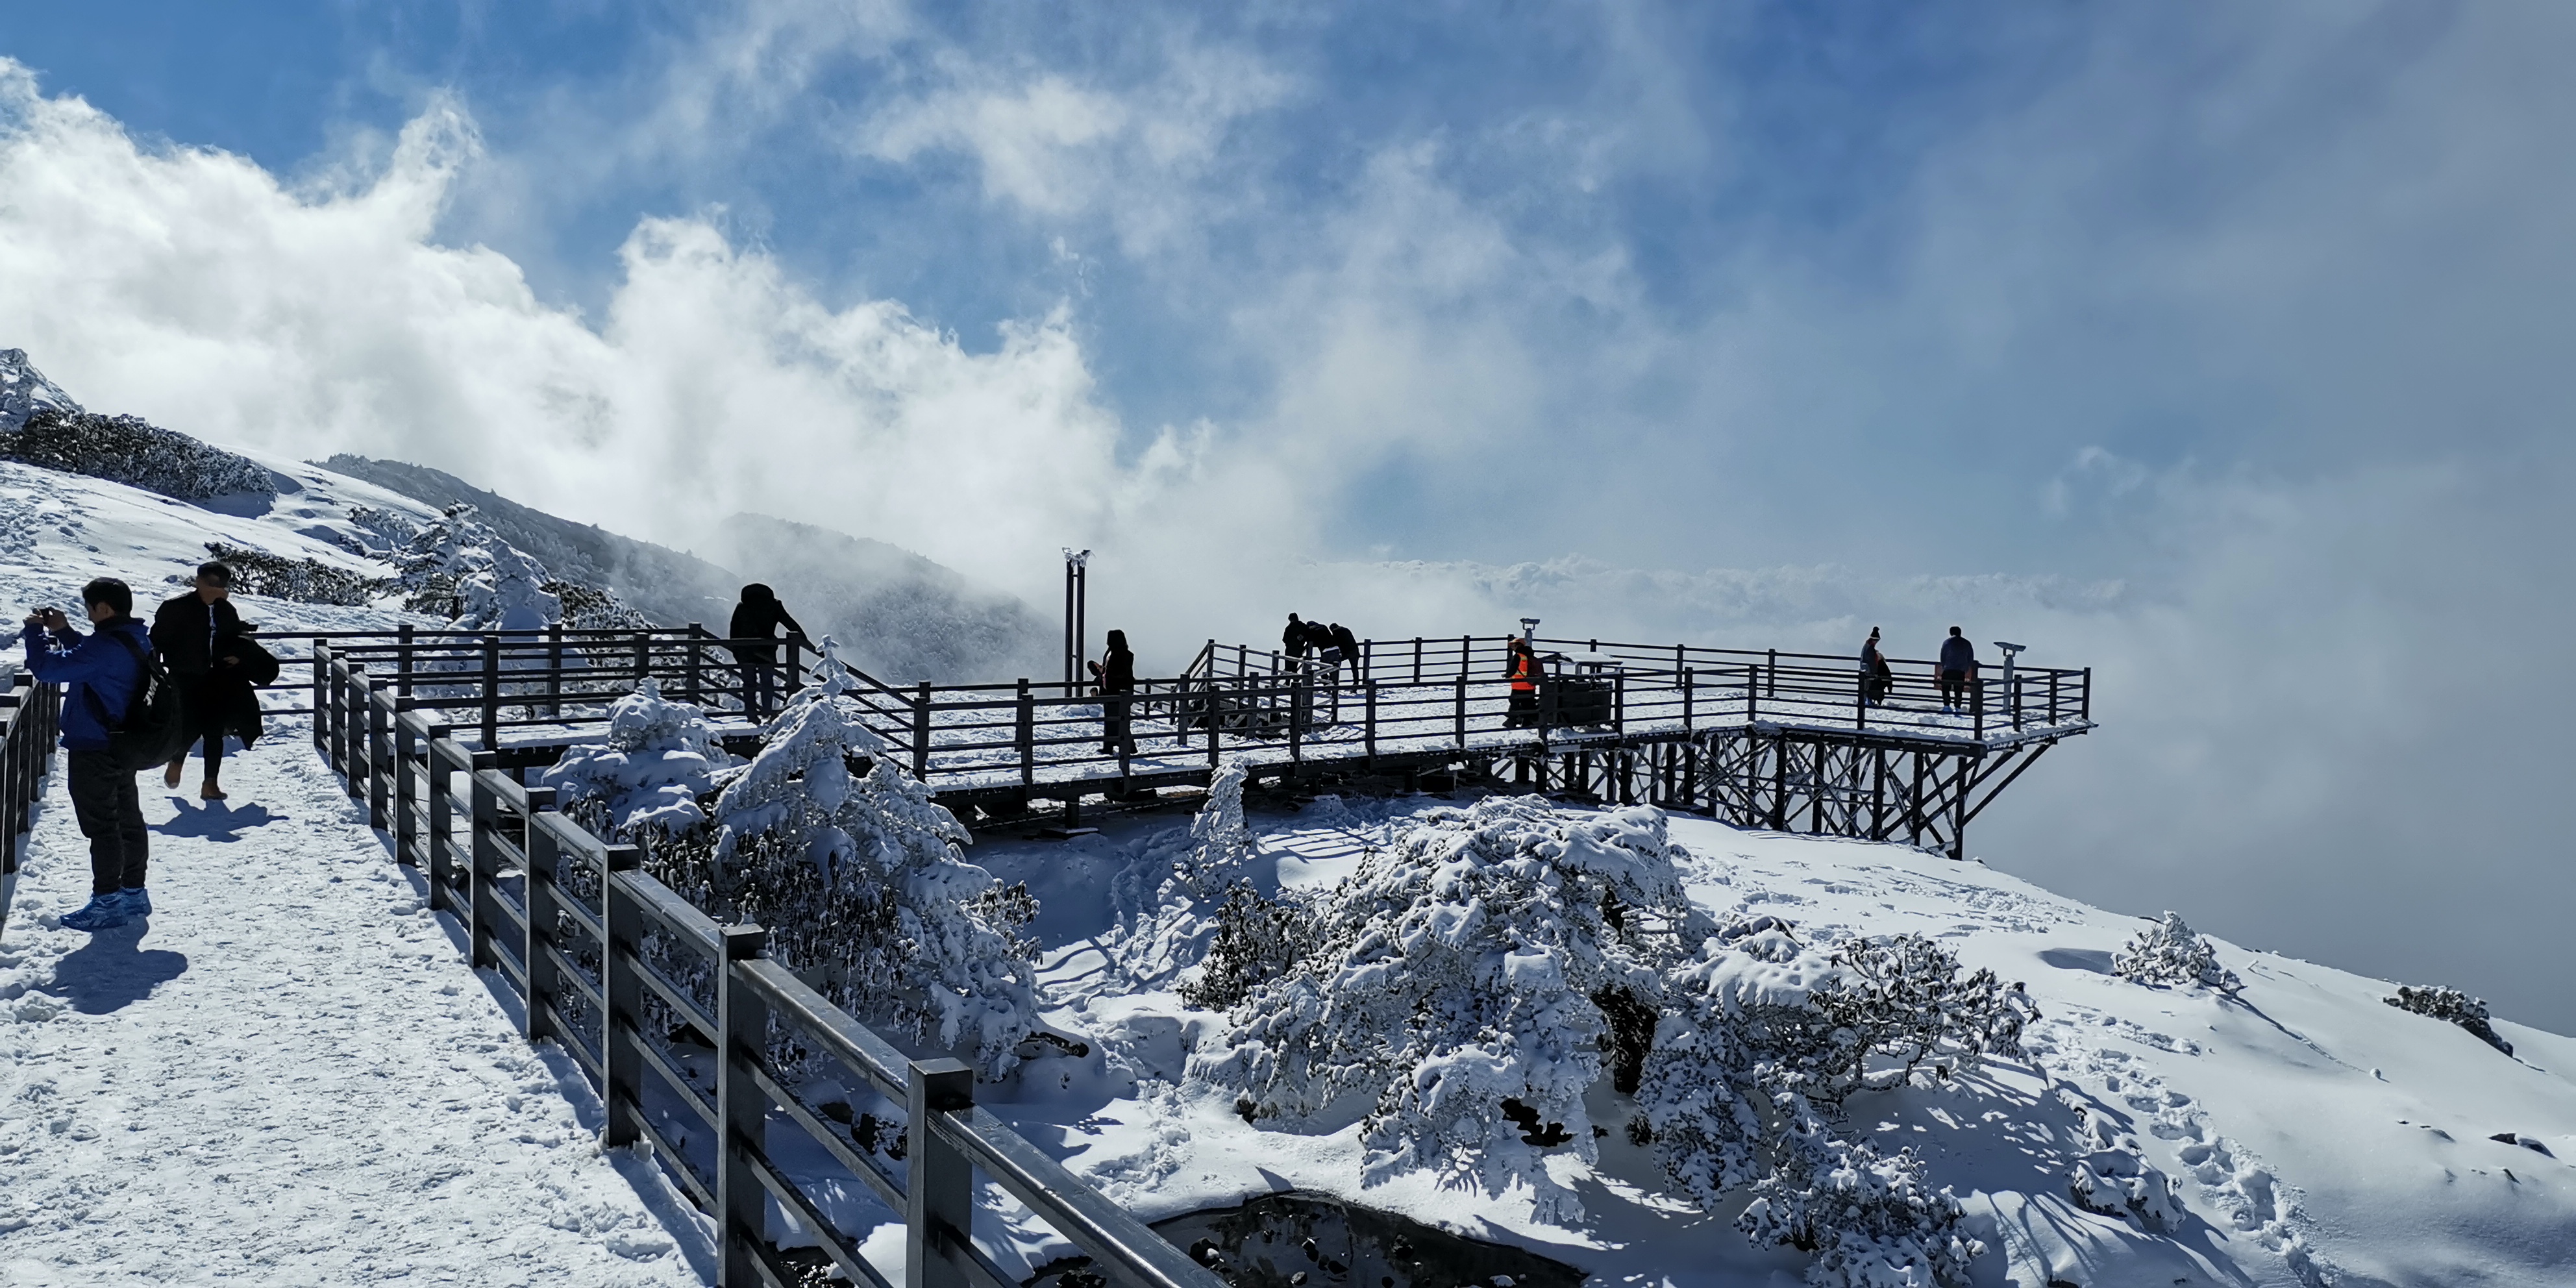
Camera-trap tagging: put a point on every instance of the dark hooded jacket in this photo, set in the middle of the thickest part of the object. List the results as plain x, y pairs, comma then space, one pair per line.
189, 632
1957, 654
758, 617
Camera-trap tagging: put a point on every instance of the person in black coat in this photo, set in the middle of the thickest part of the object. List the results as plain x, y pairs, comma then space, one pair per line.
1116, 672
199, 637
758, 617
1292, 641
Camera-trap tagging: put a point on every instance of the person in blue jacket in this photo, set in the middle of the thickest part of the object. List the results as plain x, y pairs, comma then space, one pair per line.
105, 671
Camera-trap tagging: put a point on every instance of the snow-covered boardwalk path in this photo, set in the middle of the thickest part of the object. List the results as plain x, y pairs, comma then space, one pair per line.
289, 1076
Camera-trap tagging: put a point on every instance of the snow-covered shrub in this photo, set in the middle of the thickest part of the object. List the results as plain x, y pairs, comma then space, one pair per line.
1763, 1039
861, 881
660, 757
2167, 954
127, 449
2454, 1006
1451, 981
305, 581
2115, 1179
454, 567
1871, 1219
1254, 940
591, 608
1174, 928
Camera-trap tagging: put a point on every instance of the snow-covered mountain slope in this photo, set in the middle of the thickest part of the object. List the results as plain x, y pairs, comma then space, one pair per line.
2311, 1133
24, 391
59, 530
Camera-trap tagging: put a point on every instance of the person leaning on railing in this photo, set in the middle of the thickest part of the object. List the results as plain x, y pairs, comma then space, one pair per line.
1876, 676
105, 671
756, 618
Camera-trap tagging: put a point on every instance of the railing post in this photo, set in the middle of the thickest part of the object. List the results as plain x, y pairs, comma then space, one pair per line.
406, 788
483, 868
402, 662
545, 982
321, 685
1860, 701
695, 662
442, 819
554, 670
643, 657
939, 1198
1771, 675
2053, 673
621, 982
1752, 691
921, 732
353, 733
1977, 703
379, 760
491, 693
1024, 736
1618, 703
1371, 688
1417, 659
795, 666
1684, 676
741, 1204
1462, 708
2087, 713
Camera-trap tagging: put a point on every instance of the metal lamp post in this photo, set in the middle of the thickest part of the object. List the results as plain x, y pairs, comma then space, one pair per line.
1077, 593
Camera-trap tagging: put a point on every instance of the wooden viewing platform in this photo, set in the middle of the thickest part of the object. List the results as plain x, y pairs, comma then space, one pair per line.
1762, 739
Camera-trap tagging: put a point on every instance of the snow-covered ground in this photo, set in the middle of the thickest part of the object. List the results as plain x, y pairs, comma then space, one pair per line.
288, 1075
2313, 1133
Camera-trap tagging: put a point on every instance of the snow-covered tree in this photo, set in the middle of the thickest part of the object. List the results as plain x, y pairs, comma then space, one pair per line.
2168, 955
1173, 929
646, 779
1763, 1039
861, 880
1457, 978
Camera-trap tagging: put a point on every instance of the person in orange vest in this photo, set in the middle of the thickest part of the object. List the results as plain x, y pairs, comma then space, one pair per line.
1523, 669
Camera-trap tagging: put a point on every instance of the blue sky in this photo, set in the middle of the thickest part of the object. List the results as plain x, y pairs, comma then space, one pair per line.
2217, 346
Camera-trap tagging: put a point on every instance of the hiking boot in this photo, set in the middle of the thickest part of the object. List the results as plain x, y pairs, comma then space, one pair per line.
138, 901
210, 792
102, 912
170, 776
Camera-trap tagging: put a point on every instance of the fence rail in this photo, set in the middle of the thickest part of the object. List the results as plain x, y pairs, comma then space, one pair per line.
30, 724
603, 954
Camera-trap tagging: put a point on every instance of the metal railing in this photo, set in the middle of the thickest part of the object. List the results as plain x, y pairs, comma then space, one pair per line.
1399, 703
30, 725
595, 946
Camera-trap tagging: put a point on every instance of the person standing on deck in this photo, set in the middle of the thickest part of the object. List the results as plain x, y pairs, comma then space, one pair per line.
757, 618
1292, 642
1116, 672
106, 671
198, 635
1876, 676
1522, 668
1958, 670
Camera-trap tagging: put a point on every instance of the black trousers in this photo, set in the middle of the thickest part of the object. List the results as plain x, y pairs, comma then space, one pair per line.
204, 700
110, 812
1954, 688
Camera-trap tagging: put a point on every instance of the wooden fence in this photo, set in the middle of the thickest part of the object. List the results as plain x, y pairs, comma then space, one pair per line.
597, 948
30, 726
